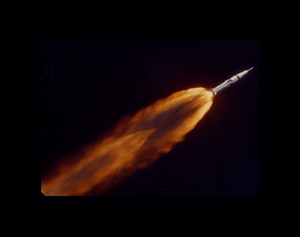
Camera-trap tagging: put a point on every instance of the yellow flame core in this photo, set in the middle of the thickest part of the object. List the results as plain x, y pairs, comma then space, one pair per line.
135, 143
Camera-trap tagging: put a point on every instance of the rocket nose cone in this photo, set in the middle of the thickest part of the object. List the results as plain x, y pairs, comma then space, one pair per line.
250, 69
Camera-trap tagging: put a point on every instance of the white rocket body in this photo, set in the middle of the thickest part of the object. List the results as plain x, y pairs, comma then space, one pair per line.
231, 80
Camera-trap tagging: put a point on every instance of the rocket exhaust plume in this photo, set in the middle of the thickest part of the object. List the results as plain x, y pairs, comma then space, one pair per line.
135, 143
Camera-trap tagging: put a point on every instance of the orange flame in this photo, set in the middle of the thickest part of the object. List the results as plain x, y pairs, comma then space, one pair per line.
135, 143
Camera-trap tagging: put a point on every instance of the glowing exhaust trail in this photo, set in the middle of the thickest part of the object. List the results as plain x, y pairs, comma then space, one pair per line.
135, 143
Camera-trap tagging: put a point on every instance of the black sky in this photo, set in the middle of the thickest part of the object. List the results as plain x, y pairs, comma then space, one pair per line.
95, 84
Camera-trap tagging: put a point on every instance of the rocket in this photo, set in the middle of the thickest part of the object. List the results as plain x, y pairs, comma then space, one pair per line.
231, 80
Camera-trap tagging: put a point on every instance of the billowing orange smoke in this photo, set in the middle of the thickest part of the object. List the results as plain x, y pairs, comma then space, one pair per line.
135, 143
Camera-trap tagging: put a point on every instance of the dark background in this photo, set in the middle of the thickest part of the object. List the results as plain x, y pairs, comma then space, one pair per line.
94, 84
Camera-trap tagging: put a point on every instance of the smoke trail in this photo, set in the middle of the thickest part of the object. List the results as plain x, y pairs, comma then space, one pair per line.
135, 143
